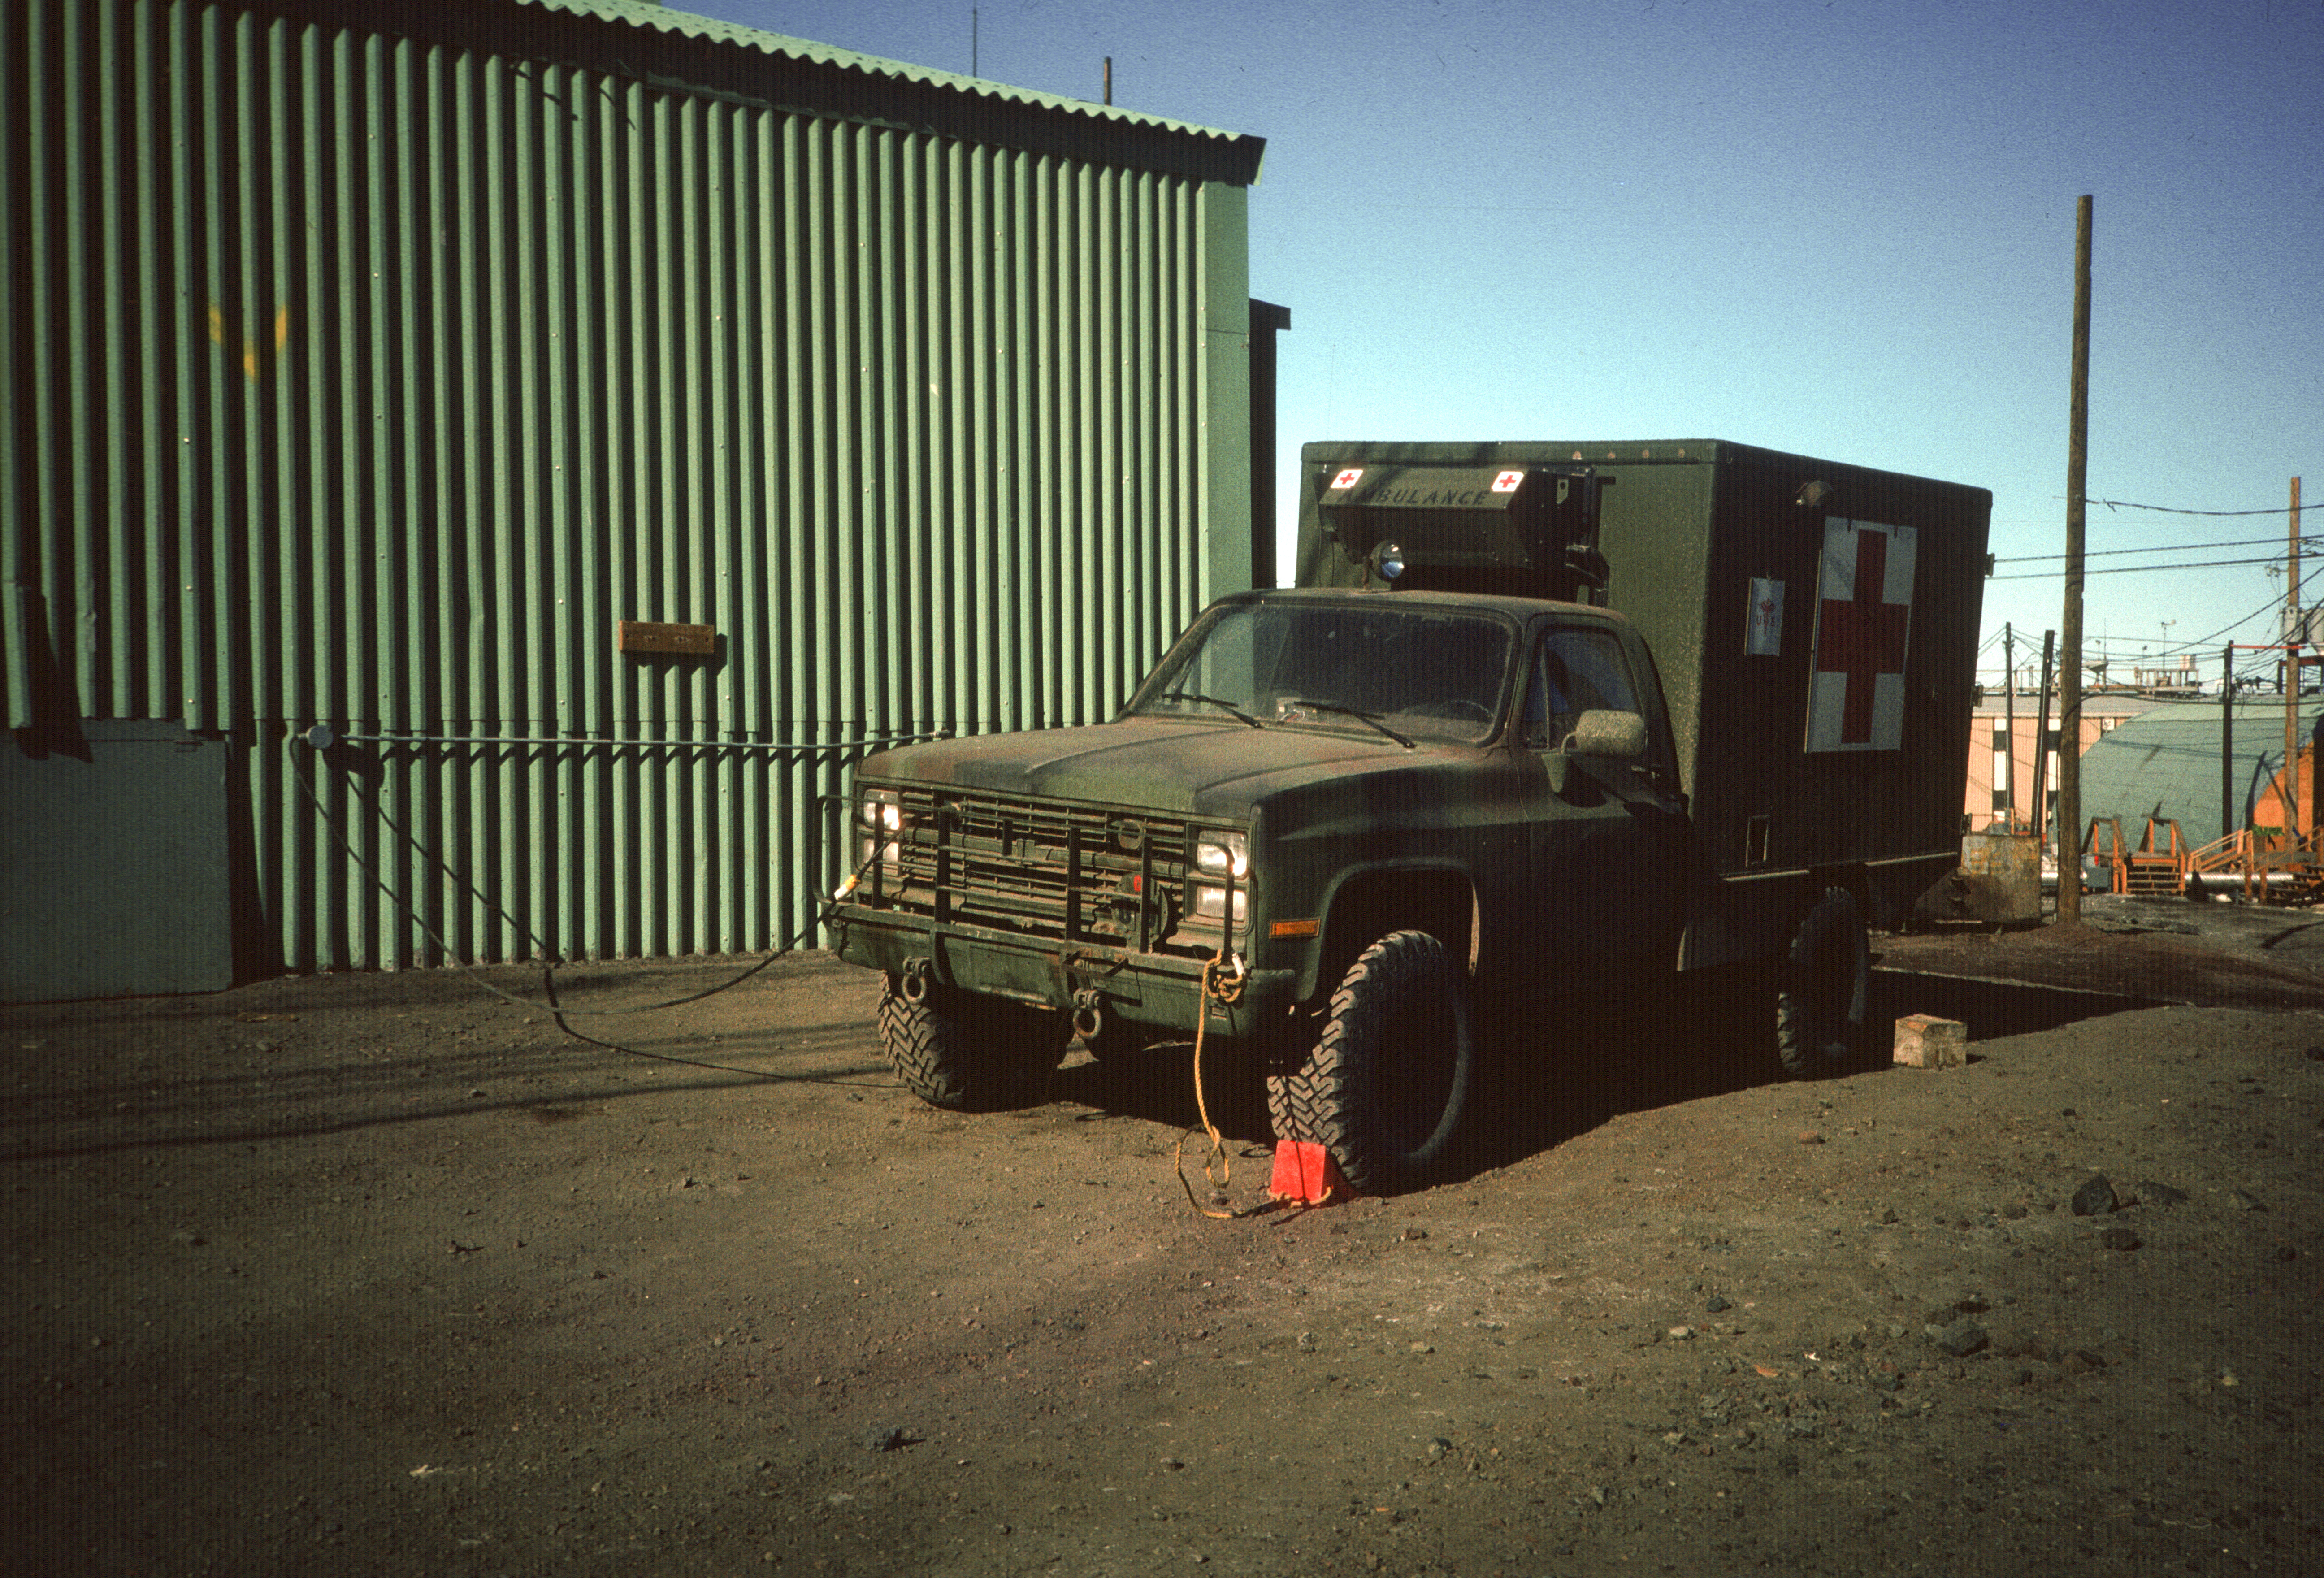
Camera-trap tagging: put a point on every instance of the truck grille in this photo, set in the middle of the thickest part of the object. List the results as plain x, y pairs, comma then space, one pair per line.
1075, 874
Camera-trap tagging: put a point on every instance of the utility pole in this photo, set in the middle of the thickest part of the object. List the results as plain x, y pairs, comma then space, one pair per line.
2226, 738
2041, 745
2292, 631
2008, 728
2069, 687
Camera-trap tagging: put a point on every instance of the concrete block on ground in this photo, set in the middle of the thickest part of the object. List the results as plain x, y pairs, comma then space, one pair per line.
1926, 1041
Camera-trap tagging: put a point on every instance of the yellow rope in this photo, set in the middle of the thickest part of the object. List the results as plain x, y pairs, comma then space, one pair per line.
1225, 1175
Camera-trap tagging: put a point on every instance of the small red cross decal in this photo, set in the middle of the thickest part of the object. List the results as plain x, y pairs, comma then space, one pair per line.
1862, 637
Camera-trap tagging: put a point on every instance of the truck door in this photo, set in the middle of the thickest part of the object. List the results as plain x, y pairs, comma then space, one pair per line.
1608, 851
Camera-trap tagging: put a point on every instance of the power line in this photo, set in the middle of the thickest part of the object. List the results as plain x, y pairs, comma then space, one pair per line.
2027, 559
2169, 510
2197, 645
2183, 647
2122, 643
2134, 569
2200, 644
2201, 641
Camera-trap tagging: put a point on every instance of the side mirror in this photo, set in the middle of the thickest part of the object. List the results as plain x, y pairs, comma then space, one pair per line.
1600, 732
1615, 736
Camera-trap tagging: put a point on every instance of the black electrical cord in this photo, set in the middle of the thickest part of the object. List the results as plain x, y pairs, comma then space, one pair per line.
547, 974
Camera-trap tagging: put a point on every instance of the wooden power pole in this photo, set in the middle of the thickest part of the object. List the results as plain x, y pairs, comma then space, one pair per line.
2070, 661
2293, 629
2226, 738
2009, 729
2041, 748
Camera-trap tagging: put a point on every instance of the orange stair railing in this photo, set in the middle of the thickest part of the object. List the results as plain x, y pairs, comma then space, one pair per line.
2156, 868
2103, 846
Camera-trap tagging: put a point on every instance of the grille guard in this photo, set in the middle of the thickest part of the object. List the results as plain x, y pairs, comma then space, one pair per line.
1065, 873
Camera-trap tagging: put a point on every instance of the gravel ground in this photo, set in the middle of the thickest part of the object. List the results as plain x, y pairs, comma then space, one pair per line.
378, 1274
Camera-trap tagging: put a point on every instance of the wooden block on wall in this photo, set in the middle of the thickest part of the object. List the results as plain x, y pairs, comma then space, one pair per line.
681, 641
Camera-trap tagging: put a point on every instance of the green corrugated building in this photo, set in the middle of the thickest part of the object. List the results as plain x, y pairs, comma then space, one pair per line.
369, 366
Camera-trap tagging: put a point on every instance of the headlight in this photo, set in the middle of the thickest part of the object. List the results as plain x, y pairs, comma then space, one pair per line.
1223, 854
878, 812
1223, 857
1210, 904
878, 808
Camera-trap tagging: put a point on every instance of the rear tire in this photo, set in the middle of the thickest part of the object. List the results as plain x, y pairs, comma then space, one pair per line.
1387, 1083
970, 1054
1826, 987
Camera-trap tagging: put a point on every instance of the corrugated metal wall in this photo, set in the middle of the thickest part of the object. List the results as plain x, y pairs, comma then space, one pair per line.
364, 381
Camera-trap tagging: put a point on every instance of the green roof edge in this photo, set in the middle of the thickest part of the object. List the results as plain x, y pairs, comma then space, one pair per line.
679, 52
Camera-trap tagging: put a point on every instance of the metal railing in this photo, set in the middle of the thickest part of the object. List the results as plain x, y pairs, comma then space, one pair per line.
2267, 865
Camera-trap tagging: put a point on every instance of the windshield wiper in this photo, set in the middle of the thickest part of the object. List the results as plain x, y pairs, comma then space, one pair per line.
1333, 706
1211, 700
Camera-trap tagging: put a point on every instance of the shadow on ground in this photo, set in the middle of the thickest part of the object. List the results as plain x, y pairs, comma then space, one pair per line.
1717, 1038
1565, 1069
1157, 1086
1991, 1009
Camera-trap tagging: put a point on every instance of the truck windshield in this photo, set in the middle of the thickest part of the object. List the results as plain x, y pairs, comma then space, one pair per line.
1431, 673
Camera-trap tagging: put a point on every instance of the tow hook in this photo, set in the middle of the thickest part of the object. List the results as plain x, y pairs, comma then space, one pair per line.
1226, 978
914, 985
1089, 1014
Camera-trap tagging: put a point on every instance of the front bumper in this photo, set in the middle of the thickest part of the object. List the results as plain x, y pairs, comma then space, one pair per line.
1159, 991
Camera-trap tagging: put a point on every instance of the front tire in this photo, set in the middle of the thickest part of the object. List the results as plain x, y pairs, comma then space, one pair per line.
1387, 1083
1826, 988
970, 1054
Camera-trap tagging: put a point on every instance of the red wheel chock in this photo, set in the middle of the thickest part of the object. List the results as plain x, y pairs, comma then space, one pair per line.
1305, 1175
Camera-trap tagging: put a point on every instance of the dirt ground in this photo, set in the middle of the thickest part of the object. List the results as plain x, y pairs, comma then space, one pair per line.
380, 1274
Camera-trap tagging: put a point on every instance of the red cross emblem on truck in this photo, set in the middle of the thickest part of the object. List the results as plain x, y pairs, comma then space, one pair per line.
1861, 639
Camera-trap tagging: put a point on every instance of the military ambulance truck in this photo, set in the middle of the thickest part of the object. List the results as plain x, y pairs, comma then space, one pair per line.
1537, 720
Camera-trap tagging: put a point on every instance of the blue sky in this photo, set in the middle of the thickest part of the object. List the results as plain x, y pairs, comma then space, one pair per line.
1843, 229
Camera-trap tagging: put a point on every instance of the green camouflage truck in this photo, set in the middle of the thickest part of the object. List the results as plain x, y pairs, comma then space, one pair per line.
1538, 718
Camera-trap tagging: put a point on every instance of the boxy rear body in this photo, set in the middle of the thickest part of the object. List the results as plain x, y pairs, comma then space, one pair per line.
1698, 538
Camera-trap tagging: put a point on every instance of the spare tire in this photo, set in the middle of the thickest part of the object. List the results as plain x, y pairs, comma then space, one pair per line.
1825, 989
